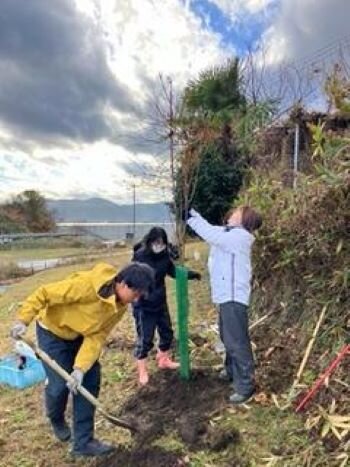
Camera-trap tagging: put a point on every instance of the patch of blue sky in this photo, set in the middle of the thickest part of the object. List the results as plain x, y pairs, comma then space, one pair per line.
244, 32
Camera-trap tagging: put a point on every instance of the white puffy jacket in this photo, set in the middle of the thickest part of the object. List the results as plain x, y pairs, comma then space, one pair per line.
229, 259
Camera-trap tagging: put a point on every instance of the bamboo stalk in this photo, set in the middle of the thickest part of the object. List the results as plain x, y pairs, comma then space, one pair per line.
262, 319
309, 347
259, 321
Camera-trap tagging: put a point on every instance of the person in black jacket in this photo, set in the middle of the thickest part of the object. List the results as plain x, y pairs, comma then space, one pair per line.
152, 313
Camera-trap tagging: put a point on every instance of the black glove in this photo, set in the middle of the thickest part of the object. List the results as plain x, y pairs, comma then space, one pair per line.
185, 214
195, 275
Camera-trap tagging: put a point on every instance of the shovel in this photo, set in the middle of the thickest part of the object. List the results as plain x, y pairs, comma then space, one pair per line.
84, 392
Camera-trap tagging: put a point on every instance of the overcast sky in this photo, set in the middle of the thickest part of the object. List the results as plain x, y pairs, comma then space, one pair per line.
76, 77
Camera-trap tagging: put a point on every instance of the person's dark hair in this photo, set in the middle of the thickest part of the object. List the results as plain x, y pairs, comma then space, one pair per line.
251, 220
153, 235
137, 246
137, 276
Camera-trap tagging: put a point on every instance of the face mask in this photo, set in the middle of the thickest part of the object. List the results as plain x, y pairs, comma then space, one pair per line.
157, 248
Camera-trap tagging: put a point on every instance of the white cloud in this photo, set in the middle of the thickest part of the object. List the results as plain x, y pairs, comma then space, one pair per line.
235, 8
142, 39
147, 38
93, 170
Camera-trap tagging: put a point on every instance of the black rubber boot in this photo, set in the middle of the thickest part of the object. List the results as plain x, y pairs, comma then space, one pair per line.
93, 448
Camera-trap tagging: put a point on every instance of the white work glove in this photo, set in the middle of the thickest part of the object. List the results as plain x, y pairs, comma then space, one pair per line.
18, 329
193, 213
77, 376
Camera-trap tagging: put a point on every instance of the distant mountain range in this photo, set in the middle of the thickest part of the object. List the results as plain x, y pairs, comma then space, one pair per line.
102, 210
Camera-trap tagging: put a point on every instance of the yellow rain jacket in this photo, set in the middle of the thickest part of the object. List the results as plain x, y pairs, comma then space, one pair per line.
72, 307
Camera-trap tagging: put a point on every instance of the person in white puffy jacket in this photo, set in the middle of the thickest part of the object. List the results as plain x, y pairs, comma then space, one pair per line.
230, 279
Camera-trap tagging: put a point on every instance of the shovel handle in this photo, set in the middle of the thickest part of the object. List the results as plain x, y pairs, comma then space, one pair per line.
67, 377
59, 370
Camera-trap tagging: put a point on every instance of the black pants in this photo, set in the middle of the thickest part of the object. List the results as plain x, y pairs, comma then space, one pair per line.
146, 323
56, 391
234, 333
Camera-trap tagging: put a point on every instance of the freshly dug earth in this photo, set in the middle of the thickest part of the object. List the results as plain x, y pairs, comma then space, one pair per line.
167, 405
172, 404
145, 457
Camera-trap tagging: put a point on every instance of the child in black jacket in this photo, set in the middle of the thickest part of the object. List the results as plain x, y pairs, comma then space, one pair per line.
152, 313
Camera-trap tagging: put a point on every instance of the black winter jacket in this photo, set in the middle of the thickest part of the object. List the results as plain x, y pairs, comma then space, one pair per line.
162, 264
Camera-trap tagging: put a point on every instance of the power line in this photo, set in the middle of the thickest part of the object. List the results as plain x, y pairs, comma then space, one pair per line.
299, 66
311, 61
311, 88
322, 50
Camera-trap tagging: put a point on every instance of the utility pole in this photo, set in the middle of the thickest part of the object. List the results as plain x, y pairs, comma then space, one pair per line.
296, 155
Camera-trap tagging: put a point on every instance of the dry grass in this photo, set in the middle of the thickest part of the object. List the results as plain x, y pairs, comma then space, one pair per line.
22, 254
26, 440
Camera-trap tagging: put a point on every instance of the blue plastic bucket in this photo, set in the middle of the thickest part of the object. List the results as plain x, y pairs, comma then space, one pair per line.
32, 373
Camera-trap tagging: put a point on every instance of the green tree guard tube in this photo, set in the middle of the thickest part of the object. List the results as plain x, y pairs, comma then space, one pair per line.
182, 320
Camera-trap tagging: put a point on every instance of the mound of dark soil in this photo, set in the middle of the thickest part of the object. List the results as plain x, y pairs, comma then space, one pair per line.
145, 457
171, 404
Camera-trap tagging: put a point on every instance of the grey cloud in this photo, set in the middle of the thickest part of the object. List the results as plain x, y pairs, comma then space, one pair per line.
137, 169
51, 161
55, 84
304, 43
307, 26
142, 139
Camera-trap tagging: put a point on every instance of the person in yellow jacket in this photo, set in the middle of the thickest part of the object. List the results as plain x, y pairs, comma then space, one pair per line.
73, 318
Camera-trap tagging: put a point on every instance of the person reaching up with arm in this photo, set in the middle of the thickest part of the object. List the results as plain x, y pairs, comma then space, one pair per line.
230, 273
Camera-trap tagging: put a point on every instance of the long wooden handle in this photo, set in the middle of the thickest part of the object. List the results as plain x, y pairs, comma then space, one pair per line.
83, 391
59, 370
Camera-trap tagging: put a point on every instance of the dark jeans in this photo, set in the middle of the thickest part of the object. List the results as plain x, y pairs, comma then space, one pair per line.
234, 333
56, 392
146, 323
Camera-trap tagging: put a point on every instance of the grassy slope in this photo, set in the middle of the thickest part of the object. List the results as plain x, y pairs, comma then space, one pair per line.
37, 253
26, 441
22, 254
